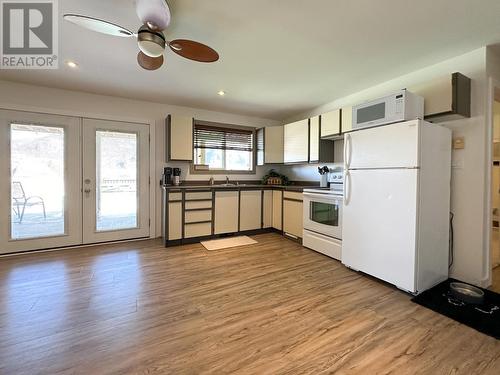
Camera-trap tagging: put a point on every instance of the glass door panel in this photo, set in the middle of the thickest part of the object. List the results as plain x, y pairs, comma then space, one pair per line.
37, 181
42, 181
115, 180
116, 172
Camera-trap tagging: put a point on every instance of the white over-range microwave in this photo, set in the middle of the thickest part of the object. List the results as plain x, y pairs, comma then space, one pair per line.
400, 106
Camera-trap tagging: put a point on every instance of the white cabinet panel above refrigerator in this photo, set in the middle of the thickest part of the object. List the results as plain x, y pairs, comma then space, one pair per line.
389, 146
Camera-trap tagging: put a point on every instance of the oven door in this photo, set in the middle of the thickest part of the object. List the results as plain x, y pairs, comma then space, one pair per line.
323, 214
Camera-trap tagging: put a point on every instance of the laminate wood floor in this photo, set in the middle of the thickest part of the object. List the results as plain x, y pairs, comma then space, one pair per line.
269, 308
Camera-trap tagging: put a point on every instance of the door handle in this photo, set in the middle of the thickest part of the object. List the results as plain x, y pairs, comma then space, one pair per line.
347, 187
87, 190
347, 151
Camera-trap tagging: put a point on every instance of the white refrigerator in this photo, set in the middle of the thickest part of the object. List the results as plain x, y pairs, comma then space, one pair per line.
397, 203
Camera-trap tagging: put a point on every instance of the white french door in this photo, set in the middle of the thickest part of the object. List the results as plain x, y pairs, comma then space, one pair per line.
40, 174
115, 180
65, 181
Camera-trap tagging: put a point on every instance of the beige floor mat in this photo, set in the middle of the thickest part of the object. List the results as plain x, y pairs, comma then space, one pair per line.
225, 243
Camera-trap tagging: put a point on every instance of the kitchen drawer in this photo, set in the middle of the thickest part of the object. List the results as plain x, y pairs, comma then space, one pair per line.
196, 216
198, 204
323, 244
292, 195
174, 197
199, 195
197, 230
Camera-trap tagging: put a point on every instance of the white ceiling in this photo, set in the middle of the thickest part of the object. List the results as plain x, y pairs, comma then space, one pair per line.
278, 58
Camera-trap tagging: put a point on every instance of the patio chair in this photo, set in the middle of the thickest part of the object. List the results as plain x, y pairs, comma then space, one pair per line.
20, 201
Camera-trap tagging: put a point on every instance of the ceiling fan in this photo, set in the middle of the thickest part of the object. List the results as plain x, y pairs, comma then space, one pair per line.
155, 16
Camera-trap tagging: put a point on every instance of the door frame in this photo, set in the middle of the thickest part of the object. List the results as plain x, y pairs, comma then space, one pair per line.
493, 84
154, 193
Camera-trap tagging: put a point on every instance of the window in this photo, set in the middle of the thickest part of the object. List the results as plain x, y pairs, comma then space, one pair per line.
223, 149
260, 147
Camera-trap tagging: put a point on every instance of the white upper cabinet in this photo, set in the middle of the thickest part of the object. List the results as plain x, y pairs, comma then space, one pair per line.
296, 137
330, 123
314, 139
179, 138
273, 144
346, 119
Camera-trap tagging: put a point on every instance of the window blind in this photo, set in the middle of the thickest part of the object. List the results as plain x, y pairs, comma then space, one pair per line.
260, 146
222, 139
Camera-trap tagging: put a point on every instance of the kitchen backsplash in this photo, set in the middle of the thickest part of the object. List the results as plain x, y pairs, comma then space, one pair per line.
297, 172
309, 172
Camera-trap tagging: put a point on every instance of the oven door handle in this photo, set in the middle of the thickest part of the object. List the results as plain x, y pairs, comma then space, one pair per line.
328, 198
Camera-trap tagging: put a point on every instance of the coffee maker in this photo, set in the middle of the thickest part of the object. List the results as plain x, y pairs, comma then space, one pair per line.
167, 176
177, 176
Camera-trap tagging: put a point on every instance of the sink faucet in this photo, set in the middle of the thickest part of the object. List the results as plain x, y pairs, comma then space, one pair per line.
227, 180
211, 180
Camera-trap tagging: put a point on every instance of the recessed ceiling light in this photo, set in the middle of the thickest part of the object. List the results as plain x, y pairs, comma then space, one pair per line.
221, 93
72, 64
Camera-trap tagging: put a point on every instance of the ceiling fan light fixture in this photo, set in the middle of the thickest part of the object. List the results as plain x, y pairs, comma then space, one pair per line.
150, 43
154, 13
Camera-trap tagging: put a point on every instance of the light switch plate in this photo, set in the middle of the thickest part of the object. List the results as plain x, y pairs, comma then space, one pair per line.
458, 143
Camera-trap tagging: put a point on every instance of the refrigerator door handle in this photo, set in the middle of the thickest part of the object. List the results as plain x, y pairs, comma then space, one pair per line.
347, 151
347, 187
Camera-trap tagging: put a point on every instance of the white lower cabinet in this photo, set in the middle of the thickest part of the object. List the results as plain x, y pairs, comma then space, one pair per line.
233, 211
250, 209
277, 209
267, 208
292, 214
226, 212
174, 221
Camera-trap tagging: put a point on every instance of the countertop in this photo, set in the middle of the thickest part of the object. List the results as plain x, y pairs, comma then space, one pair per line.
241, 186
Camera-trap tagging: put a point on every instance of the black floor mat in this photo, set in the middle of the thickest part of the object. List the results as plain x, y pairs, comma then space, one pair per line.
484, 318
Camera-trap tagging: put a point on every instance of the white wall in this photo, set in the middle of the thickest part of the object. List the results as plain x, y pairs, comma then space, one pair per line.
469, 174
73, 103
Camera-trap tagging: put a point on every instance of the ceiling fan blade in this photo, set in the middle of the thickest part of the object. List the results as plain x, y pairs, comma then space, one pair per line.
153, 13
149, 63
194, 50
98, 25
